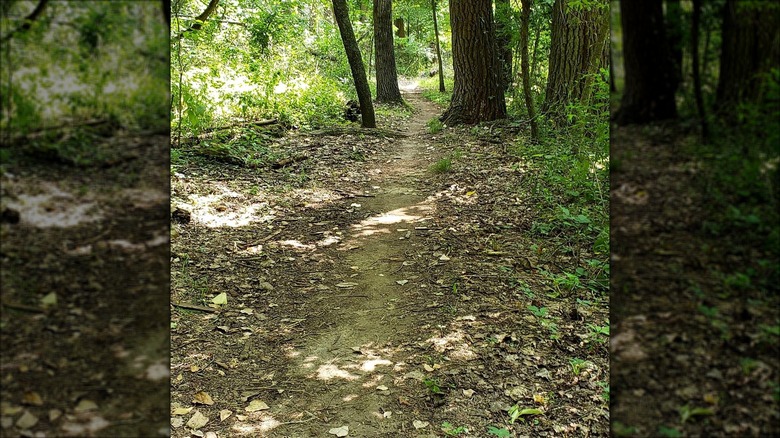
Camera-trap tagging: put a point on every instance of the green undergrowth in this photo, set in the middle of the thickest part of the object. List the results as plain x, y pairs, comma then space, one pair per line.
430, 87
245, 147
569, 187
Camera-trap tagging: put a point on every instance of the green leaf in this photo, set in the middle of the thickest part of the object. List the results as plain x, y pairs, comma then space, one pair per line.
492, 430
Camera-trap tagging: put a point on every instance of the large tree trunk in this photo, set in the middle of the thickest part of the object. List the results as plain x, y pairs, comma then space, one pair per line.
386, 74
578, 41
438, 47
524, 68
341, 13
504, 40
477, 95
750, 34
673, 20
696, 72
650, 82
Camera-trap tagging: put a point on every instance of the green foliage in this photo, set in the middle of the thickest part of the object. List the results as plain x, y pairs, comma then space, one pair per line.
75, 68
442, 166
433, 385
539, 312
435, 126
515, 413
451, 430
503, 432
669, 432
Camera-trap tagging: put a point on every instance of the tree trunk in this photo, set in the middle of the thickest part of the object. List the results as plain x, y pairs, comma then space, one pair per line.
674, 32
341, 13
696, 73
750, 34
400, 31
386, 74
649, 71
504, 40
438, 47
534, 57
524, 68
477, 95
577, 44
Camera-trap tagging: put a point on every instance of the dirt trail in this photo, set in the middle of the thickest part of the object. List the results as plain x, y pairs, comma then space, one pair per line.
351, 367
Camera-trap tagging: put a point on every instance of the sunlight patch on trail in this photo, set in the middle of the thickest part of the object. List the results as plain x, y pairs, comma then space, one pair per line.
374, 224
54, 208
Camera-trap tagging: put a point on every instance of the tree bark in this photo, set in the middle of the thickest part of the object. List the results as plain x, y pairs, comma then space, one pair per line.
673, 20
386, 75
504, 40
650, 85
524, 68
341, 13
578, 40
438, 47
750, 49
696, 73
477, 95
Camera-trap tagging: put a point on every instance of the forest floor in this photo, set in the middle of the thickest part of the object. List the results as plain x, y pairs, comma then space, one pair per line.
84, 272
356, 292
694, 297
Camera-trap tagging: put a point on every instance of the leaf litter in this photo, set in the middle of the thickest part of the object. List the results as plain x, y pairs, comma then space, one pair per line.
339, 346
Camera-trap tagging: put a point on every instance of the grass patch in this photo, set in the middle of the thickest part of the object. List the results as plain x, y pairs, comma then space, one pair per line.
442, 166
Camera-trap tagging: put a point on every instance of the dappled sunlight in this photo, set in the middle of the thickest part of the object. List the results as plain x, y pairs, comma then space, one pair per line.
330, 372
225, 210
264, 423
370, 365
54, 207
378, 223
454, 344
349, 397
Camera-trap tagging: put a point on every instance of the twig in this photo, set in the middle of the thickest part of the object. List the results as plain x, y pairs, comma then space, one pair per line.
22, 307
195, 307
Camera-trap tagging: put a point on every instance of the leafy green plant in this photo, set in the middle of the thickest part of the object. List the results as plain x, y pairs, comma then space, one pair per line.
442, 166
539, 312
433, 385
502, 432
451, 430
669, 432
577, 365
435, 126
687, 412
515, 413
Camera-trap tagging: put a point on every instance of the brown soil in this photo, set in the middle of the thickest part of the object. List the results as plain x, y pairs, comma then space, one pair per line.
85, 295
693, 351
367, 293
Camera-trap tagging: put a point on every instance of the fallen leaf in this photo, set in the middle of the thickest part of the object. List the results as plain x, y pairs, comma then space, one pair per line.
382, 388
177, 422
203, 398
26, 421
247, 311
402, 282
387, 414
85, 405
194, 368
197, 420
539, 399
468, 392
339, 431
220, 299
444, 258
224, 414
32, 398
181, 411
256, 405
420, 424
50, 300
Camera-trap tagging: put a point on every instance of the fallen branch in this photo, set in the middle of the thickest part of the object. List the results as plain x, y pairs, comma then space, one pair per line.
195, 307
